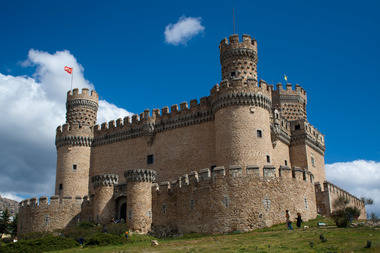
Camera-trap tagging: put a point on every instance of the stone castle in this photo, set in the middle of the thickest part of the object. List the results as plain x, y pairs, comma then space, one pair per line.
235, 160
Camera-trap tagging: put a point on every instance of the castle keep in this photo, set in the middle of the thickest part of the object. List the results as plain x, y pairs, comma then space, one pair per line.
234, 160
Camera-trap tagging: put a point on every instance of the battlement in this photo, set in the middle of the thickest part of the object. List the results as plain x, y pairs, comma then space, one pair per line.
153, 121
289, 91
75, 135
52, 202
233, 43
234, 172
332, 188
302, 127
242, 85
84, 94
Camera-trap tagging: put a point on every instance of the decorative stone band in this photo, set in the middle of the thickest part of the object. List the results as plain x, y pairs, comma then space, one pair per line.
239, 52
104, 180
140, 175
82, 102
241, 98
306, 139
73, 141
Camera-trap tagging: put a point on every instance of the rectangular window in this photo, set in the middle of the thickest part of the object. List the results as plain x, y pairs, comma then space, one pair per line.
259, 133
233, 74
286, 163
268, 159
313, 161
60, 187
74, 167
150, 159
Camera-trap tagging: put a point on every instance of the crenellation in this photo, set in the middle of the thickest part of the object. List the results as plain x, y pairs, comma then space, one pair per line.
205, 174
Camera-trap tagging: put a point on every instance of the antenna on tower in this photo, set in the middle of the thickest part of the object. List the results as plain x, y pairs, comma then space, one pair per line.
233, 20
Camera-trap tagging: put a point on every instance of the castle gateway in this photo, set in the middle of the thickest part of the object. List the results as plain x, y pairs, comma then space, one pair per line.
234, 160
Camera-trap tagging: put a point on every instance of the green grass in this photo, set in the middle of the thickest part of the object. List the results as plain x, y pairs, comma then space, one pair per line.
273, 239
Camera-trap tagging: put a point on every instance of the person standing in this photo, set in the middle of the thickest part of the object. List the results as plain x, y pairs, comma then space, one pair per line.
299, 220
288, 222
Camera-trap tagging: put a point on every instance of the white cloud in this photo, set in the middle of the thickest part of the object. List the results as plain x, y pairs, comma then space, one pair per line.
183, 30
31, 107
360, 177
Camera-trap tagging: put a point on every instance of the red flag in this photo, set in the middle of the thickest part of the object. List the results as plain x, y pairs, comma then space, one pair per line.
68, 70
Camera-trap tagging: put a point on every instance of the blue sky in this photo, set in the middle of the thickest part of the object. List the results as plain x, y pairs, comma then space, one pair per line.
328, 47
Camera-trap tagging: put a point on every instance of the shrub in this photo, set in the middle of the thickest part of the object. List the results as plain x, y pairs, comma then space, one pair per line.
102, 239
117, 229
47, 243
34, 235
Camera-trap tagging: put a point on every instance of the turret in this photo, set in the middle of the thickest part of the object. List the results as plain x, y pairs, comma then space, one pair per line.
81, 108
291, 102
238, 59
73, 142
103, 204
139, 199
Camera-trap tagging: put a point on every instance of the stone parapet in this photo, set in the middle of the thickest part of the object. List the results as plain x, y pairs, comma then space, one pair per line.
74, 135
140, 175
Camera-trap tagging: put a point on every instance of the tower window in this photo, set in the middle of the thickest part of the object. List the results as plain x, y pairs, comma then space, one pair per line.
233, 74
298, 127
259, 133
313, 161
60, 187
286, 163
74, 167
150, 159
268, 159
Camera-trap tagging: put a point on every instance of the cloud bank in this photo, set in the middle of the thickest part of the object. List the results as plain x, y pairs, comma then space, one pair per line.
360, 177
31, 107
182, 31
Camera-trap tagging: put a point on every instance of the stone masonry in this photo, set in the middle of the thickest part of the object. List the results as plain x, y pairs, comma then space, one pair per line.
234, 160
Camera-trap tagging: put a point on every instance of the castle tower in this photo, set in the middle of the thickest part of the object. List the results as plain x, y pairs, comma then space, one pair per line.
290, 102
238, 59
139, 199
73, 143
104, 205
242, 107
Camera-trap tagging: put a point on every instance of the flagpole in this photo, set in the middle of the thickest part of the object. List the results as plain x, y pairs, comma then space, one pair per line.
72, 77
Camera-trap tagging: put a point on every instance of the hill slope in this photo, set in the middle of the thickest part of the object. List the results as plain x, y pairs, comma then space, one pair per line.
10, 204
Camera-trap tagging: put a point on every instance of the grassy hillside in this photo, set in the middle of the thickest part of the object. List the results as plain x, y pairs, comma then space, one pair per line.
274, 239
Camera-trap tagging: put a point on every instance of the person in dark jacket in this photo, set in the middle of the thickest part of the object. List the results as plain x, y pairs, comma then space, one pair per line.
299, 220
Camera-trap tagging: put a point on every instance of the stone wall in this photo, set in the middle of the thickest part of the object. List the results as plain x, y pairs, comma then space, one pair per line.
231, 199
45, 215
326, 197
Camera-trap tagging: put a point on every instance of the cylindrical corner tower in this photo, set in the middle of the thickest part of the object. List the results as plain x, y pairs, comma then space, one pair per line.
104, 207
238, 59
139, 199
73, 142
242, 107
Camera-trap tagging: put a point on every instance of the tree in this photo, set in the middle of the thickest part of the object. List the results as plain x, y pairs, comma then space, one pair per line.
344, 214
13, 226
4, 222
